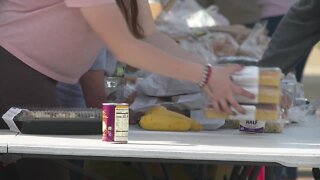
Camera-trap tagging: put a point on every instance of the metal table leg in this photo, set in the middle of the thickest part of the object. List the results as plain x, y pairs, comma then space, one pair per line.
316, 173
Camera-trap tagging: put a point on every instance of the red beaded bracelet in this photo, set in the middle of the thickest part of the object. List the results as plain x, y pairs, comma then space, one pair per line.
207, 71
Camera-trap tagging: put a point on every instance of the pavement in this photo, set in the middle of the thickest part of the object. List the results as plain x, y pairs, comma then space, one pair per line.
311, 79
311, 82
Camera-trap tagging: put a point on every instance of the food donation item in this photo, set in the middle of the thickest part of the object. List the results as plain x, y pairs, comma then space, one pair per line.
115, 122
159, 118
32, 120
264, 83
266, 112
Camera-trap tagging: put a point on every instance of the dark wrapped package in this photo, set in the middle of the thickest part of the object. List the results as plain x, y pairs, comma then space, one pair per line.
67, 121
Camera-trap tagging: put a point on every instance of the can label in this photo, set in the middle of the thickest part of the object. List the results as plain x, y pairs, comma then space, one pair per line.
115, 122
252, 126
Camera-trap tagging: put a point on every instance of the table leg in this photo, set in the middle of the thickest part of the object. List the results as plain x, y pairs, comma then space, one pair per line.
255, 172
235, 173
147, 175
203, 171
244, 173
270, 173
316, 173
166, 169
80, 170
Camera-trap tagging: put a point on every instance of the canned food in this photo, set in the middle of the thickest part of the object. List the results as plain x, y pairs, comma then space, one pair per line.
115, 122
252, 126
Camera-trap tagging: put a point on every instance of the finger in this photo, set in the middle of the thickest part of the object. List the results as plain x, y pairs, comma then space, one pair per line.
241, 91
216, 107
236, 105
214, 103
224, 106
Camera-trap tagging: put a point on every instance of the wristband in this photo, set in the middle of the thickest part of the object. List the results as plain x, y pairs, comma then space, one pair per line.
207, 71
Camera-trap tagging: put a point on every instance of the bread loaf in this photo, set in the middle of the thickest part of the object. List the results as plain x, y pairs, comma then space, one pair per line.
263, 113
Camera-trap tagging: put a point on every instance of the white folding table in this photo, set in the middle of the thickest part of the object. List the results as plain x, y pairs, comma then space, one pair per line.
298, 145
5, 137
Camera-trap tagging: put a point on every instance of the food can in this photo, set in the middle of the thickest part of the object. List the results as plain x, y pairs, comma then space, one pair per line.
252, 126
115, 122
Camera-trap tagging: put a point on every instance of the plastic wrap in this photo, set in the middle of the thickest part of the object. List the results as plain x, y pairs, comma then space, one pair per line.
56, 120
256, 43
222, 44
160, 86
231, 124
243, 60
119, 90
180, 21
200, 48
263, 112
264, 83
275, 127
181, 102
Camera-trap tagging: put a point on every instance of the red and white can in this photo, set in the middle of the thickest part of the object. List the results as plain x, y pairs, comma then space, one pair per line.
115, 122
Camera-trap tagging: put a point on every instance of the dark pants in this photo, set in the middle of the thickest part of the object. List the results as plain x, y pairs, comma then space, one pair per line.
22, 86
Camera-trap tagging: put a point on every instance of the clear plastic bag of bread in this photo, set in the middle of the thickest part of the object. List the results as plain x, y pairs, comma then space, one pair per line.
316, 105
222, 44
256, 43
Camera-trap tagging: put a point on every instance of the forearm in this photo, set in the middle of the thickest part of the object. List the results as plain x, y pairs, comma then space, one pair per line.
167, 44
92, 83
108, 22
159, 39
158, 61
298, 32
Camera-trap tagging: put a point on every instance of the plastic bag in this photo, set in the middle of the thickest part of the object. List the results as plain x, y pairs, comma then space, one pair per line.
160, 86
182, 102
301, 113
220, 20
199, 48
222, 44
243, 60
276, 126
118, 90
256, 43
186, 15
315, 104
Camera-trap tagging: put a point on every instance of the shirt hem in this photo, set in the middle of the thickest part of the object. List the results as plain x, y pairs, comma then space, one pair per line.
43, 70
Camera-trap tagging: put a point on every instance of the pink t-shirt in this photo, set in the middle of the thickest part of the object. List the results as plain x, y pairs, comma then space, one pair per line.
51, 36
270, 8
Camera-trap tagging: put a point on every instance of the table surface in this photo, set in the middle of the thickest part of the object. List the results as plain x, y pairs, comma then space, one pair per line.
298, 145
5, 137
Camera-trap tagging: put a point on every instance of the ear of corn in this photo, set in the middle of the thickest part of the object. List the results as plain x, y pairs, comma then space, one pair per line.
161, 119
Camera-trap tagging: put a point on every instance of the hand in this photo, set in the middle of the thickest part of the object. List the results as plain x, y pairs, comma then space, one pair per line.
222, 90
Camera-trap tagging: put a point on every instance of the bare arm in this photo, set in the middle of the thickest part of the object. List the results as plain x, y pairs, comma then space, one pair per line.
108, 23
155, 37
92, 83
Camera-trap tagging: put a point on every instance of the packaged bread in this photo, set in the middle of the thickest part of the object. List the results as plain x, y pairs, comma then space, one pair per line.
264, 83
265, 112
274, 127
256, 76
230, 124
270, 77
263, 95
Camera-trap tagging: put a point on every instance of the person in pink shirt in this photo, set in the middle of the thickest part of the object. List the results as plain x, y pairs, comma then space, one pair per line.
46, 41
60, 39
